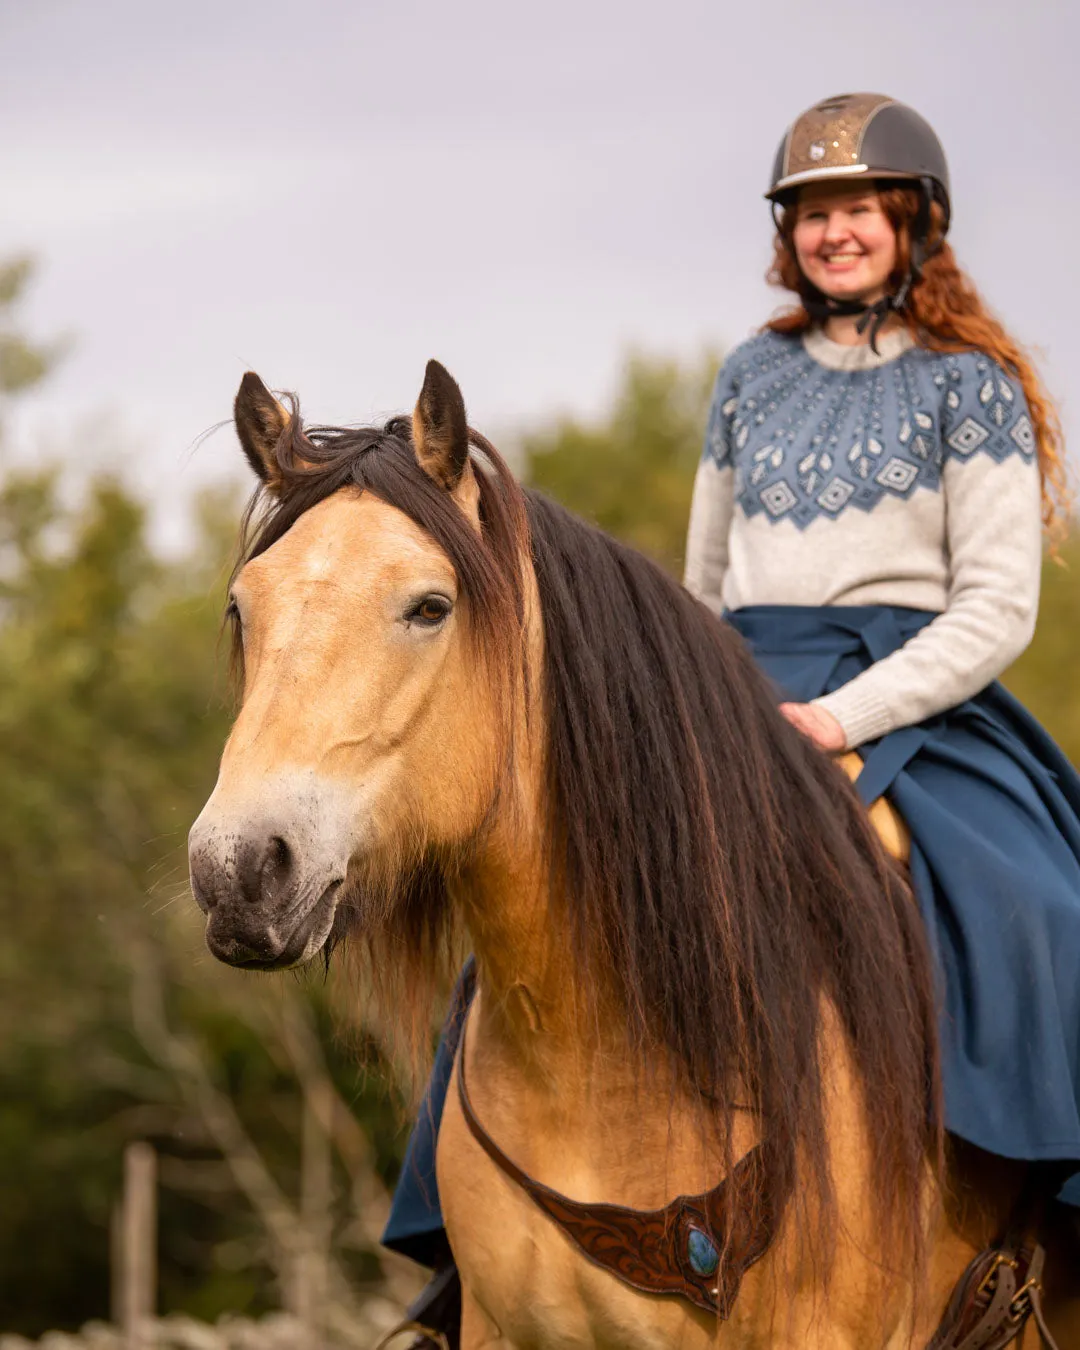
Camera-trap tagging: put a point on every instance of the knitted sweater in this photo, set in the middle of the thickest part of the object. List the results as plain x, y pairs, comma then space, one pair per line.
834, 476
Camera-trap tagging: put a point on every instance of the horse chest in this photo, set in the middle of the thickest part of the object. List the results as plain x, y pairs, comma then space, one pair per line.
525, 1285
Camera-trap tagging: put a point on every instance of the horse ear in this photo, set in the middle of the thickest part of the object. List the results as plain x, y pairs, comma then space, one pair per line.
440, 431
260, 420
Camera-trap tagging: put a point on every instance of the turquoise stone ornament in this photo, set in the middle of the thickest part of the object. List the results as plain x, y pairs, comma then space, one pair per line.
703, 1256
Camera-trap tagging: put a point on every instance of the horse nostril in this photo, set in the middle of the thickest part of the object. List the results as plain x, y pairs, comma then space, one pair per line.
276, 867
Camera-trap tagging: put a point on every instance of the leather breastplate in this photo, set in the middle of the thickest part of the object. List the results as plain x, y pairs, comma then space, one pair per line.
677, 1250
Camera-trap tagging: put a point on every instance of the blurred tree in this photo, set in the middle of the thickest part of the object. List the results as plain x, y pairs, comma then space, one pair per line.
1047, 677
22, 362
631, 471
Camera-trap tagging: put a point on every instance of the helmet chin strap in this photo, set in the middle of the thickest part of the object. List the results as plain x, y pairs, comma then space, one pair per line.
872, 317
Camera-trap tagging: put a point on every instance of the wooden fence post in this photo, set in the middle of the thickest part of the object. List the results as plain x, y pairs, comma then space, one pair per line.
135, 1284
316, 1199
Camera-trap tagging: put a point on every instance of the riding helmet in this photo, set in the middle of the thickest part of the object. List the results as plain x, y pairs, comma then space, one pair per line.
853, 135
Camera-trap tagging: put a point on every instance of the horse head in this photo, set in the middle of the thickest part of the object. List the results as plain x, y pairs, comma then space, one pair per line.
349, 767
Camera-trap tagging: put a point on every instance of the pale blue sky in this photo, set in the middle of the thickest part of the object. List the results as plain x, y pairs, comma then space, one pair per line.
333, 192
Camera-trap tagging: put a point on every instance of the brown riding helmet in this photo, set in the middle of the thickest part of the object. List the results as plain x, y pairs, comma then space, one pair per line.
860, 135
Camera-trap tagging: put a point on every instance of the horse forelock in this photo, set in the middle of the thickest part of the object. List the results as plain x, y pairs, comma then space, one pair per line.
713, 868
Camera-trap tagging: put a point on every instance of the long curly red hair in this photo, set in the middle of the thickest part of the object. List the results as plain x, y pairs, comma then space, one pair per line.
945, 313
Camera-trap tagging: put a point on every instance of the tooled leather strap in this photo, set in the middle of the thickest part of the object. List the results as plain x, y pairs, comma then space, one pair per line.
676, 1250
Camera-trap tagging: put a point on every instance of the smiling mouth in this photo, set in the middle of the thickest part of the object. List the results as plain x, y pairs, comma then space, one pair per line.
841, 259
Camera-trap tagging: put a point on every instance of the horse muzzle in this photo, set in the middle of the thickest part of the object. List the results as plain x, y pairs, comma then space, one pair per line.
268, 886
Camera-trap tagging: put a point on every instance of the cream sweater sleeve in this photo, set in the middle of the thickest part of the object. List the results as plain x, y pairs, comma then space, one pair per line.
712, 504
994, 545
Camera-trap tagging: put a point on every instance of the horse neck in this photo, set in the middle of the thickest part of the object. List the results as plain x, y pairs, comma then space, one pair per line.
553, 1037
525, 956
554, 1076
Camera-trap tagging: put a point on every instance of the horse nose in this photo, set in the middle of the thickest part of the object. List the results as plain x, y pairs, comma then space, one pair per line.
266, 872
260, 871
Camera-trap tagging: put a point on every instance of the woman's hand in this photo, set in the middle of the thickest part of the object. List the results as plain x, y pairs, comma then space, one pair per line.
820, 726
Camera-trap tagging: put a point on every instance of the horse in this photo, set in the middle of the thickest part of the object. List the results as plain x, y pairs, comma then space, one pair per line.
698, 974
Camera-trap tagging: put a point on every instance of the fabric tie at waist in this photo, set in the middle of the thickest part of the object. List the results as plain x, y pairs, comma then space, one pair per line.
804, 649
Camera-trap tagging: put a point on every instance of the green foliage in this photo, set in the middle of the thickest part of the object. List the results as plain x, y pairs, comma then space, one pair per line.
1047, 677
22, 363
632, 471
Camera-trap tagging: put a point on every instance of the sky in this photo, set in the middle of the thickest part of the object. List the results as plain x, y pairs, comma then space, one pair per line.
332, 193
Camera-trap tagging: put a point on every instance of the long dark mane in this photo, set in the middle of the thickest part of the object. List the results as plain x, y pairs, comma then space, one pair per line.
715, 870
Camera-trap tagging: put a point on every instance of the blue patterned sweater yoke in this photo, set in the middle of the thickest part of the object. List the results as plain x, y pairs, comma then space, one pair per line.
807, 440
834, 475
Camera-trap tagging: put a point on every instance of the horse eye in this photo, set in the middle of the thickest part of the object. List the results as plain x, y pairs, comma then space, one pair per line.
232, 611
432, 610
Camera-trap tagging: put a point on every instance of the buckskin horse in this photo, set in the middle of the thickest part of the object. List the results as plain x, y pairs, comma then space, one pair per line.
703, 1101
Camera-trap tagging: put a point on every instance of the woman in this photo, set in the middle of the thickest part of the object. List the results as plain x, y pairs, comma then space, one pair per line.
878, 464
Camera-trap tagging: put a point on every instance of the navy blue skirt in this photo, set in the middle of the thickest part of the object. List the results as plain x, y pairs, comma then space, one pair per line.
993, 807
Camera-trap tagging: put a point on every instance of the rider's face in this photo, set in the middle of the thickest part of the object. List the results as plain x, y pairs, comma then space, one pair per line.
844, 242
